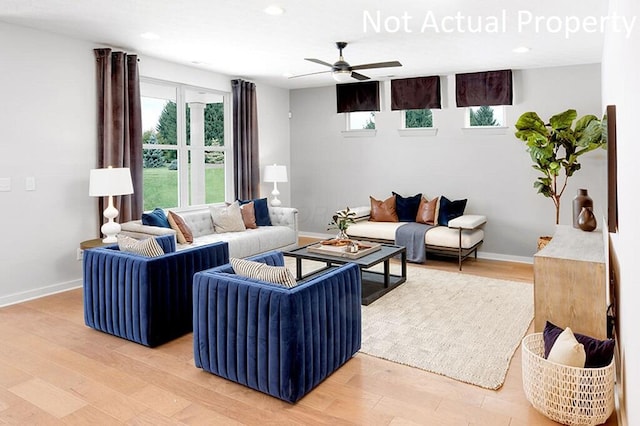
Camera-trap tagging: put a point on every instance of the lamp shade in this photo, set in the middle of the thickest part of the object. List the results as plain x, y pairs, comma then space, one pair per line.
342, 76
275, 173
110, 181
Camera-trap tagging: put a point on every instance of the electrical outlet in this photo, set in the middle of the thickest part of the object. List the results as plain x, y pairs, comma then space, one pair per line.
79, 254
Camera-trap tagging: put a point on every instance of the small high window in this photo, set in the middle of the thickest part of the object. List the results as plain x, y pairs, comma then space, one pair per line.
485, 116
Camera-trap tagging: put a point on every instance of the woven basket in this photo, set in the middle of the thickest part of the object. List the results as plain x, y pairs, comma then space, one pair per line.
568, 395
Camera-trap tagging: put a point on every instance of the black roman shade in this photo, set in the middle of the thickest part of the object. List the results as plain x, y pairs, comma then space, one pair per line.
484, 88
415, 93
353, 97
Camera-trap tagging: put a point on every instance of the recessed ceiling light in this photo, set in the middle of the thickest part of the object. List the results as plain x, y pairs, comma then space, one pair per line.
150, 36
521, 49
274, 10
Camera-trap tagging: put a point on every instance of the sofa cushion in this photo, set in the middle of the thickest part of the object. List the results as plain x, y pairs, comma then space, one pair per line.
450, 210
148, 247
384, 211
249, 215
261, 208
156, 218
427, 211
407, 207
261, 271
183, 233
227, 218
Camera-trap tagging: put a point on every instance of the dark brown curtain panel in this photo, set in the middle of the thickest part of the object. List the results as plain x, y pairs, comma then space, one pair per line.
246, 181
415, 93
484, 88
120, 126
354, 97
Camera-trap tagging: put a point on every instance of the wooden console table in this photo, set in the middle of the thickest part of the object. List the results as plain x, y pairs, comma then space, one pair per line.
570, 282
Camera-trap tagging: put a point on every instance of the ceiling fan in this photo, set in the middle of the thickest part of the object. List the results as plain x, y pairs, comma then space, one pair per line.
342, 72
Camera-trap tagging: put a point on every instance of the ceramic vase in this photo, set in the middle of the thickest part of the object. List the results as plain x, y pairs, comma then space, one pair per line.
587, 220
581, 200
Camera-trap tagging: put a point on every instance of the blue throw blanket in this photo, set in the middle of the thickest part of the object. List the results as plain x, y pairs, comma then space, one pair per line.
411, 235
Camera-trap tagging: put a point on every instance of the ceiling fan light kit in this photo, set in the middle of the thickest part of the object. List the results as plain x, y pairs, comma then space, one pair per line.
342, 72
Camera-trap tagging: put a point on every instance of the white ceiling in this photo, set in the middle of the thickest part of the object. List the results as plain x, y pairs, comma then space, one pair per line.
237, 38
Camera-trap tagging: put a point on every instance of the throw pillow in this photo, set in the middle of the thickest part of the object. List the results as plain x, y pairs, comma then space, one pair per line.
450, 210
156, 218
261, 271
567, 351
148, 247
183, 232
227, 218
427, 211
407, 207
261, 208
249, 215
383, 211
599, 352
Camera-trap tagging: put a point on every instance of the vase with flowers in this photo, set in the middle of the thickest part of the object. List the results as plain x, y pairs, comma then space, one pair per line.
341, 221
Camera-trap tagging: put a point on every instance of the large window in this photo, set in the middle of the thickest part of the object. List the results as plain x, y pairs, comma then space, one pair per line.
186, 160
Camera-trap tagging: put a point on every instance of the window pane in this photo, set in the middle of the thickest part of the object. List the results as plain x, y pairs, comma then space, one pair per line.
160, 179
486, 116
418, 118
214, 176
362, 120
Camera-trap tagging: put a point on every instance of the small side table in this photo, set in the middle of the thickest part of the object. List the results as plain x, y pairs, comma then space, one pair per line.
96, 242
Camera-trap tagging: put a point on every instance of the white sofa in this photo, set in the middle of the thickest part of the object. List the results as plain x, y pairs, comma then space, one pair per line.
282, 235
460, 238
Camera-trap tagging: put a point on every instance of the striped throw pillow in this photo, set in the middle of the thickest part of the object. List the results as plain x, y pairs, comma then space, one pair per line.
148, 247
260, 271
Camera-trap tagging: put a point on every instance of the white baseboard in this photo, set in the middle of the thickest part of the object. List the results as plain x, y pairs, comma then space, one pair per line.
24, 296
481, 254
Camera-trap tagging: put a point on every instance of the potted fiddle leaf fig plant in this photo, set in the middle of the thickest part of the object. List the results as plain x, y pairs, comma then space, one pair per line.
556, 146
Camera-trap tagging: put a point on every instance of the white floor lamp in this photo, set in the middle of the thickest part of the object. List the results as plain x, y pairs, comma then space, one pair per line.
275, 174
107, 183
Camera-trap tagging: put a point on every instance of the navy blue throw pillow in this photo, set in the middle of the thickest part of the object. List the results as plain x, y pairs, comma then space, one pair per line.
450, 210
599, 352
156, 218
261, 209
407, 207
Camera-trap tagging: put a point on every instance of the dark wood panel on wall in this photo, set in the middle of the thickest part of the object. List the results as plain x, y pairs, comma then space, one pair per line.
612, 168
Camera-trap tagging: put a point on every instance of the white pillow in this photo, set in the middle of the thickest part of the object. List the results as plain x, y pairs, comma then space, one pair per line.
567, 351
148, 247
227, 218
263, 272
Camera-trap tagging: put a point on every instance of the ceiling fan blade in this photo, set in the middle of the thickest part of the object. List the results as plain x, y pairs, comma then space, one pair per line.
318, 61
377, 65
359, 76
311, 73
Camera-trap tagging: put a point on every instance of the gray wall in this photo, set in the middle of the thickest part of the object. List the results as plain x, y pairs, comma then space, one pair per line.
330, 171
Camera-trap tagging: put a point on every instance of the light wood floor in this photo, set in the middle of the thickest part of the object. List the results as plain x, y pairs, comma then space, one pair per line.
55, 370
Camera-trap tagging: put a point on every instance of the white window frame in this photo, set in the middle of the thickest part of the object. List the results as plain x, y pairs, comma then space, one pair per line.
358, 133
485, 130
405, 131
183, 149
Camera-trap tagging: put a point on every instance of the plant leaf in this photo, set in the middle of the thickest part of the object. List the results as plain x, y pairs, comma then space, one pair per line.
563, 120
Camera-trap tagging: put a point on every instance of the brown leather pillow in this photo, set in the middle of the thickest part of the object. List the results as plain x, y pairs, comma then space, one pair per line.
427, 211
183, 233
383, 211
249, 215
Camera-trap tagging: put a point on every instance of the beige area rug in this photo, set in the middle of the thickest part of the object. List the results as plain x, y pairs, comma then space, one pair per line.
461, 326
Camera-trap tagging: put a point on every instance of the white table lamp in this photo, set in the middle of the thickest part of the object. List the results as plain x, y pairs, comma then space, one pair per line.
107, 183
275, 174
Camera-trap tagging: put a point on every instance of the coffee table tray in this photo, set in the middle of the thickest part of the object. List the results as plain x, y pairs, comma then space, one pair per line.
365, 248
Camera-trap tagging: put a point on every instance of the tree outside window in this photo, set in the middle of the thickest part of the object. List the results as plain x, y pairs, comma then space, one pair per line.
418, 118
486, 116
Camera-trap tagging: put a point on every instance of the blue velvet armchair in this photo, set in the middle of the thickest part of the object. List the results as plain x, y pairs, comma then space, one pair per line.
147, 300
277, 340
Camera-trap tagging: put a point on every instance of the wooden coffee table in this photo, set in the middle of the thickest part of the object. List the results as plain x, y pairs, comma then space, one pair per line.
374, 284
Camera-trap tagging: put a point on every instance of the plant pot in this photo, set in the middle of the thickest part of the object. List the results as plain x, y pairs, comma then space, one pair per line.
543, 241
